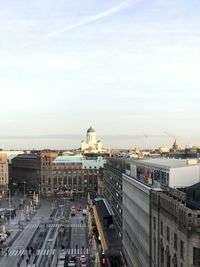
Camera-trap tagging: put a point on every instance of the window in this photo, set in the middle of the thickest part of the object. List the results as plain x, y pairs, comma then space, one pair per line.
168, 233
154, 223
161, 227
175, 241
162, 255
182, 249
196, 256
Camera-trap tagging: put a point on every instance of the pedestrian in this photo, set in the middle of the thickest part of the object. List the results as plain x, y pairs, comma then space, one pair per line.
29, 256
27, 261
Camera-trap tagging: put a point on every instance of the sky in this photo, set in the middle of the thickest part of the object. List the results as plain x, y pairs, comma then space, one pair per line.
129, 68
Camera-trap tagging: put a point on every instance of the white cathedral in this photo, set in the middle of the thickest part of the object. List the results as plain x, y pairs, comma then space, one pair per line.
92, 145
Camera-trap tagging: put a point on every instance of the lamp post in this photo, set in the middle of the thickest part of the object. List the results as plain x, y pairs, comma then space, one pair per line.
39, 193
9, 203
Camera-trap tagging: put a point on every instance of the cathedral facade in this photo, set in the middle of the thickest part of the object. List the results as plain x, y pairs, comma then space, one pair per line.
92, 145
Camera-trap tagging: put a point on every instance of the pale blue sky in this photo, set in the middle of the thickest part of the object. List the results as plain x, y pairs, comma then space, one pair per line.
125, 67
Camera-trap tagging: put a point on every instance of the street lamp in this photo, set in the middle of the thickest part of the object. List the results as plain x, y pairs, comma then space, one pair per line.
39, 193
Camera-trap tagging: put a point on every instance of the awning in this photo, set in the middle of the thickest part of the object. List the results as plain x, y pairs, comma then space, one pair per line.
100, 230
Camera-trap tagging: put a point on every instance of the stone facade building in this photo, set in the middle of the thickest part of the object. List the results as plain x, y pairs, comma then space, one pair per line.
4, 178
175, 230
76, 174
46, 159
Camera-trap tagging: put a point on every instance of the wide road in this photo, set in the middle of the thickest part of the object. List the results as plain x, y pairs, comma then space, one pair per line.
19, 246
79, 235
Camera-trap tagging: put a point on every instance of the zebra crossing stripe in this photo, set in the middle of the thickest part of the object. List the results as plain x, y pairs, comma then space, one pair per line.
15, 253
21, 252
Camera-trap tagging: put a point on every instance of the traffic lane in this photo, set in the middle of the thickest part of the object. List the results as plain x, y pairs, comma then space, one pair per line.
79, 238
20, 243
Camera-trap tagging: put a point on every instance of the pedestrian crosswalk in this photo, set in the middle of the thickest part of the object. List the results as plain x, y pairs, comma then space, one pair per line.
78, 225
32, 226
46, 252
57, 225
77, 251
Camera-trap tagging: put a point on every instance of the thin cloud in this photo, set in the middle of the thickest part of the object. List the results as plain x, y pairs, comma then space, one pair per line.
115, 9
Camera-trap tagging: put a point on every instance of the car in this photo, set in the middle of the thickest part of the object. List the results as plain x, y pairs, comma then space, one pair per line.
72, 261
72, 258
73, 211
83, 259
3, 237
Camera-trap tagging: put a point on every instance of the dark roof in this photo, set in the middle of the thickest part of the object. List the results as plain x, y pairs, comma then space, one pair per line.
27, 156
102, 208
111, 237
91, 130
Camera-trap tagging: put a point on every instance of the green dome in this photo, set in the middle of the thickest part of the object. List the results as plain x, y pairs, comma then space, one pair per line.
91, 130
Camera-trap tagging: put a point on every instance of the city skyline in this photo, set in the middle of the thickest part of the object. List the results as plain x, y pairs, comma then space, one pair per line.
129, 68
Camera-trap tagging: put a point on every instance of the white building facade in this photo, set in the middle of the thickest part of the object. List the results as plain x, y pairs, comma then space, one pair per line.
168, 172
92, 145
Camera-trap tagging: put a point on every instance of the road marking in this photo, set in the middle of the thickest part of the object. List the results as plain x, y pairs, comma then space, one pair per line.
16, 252
22, 252
74, 251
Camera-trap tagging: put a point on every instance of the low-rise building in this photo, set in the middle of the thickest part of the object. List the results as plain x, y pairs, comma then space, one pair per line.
76, 174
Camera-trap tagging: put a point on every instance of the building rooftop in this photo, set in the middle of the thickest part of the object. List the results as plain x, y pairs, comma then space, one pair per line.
167, 163
27, 156
68, 159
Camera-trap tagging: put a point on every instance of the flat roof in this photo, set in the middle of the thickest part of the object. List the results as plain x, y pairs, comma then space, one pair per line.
165, 162
68, 159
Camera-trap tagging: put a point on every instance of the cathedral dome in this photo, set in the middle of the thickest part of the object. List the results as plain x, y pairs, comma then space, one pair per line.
91, 130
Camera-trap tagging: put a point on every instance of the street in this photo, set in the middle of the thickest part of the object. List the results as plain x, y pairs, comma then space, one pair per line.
50, 233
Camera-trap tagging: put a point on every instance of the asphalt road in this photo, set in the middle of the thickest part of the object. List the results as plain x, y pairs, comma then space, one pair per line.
51, 232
